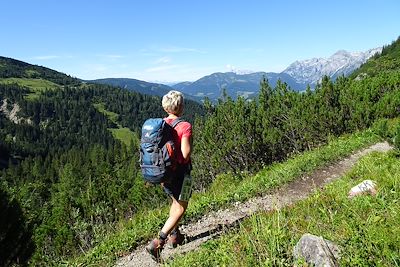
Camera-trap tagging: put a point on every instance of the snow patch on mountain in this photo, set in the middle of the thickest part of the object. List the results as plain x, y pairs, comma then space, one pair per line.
238, 71
310, 71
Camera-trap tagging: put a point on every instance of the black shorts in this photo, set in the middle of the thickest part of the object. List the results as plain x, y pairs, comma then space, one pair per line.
173, 185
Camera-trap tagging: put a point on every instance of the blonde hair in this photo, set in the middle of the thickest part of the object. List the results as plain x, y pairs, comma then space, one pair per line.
172, 102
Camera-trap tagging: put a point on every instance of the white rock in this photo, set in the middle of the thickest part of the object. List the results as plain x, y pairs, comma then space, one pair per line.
365, 187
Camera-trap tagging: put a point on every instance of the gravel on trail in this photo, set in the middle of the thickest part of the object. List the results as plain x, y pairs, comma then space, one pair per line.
215, 223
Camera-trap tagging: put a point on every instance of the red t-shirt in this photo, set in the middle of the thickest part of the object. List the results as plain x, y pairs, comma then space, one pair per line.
183, 129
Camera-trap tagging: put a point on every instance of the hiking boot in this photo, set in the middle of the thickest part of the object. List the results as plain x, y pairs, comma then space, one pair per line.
154, 249
175, 239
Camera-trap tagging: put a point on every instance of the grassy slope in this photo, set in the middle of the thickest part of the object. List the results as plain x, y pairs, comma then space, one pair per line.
366, 228
123, 134
225, 190
35, 85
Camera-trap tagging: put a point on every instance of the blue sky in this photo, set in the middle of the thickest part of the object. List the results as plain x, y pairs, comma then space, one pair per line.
168, 41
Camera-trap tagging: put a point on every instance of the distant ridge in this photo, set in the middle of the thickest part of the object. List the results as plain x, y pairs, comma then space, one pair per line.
13, 68
246, 85
139, 86
135, 85
298, 76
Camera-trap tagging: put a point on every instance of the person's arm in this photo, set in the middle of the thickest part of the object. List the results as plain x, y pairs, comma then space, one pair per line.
186, 148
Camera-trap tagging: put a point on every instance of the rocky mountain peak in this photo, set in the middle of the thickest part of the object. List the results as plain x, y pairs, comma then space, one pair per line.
343, 62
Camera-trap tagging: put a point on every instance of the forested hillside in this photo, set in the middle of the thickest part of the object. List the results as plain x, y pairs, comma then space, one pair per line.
69, 160
11, 68
136, 85
387, 61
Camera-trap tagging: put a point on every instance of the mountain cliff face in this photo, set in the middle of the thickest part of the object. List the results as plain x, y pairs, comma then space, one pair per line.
310, 71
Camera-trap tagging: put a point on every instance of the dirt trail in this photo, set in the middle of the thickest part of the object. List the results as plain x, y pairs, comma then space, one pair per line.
214, 223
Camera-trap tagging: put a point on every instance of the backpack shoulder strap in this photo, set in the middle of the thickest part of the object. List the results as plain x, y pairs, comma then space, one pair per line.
176, 122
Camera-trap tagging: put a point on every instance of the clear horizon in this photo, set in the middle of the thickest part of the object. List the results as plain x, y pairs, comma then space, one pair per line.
173, 41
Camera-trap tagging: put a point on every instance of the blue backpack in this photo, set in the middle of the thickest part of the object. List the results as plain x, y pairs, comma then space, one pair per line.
157, 150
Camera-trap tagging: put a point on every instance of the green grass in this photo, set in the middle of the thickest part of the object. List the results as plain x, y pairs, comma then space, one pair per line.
31, 73
366, 228
125, 135
225, 190
277, 174
35, 85
112, 116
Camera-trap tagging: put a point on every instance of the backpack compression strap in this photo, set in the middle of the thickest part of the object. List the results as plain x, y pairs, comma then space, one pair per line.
176, 122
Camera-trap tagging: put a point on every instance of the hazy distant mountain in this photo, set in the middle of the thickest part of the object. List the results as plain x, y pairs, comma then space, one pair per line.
142, 87
310, 71
136, 85
298, 75
246, 85
181, 85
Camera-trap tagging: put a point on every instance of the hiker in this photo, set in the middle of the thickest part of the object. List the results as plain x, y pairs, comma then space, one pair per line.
178, 187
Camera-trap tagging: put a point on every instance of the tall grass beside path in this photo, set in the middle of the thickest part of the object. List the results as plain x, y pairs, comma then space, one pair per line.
225, 190
366, 228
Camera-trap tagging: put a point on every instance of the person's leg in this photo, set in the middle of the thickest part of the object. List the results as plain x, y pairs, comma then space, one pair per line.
176, 212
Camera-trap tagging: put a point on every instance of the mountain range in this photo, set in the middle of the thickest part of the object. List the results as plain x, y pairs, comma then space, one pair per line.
297, 75
135, 85
341, 63
139, 86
